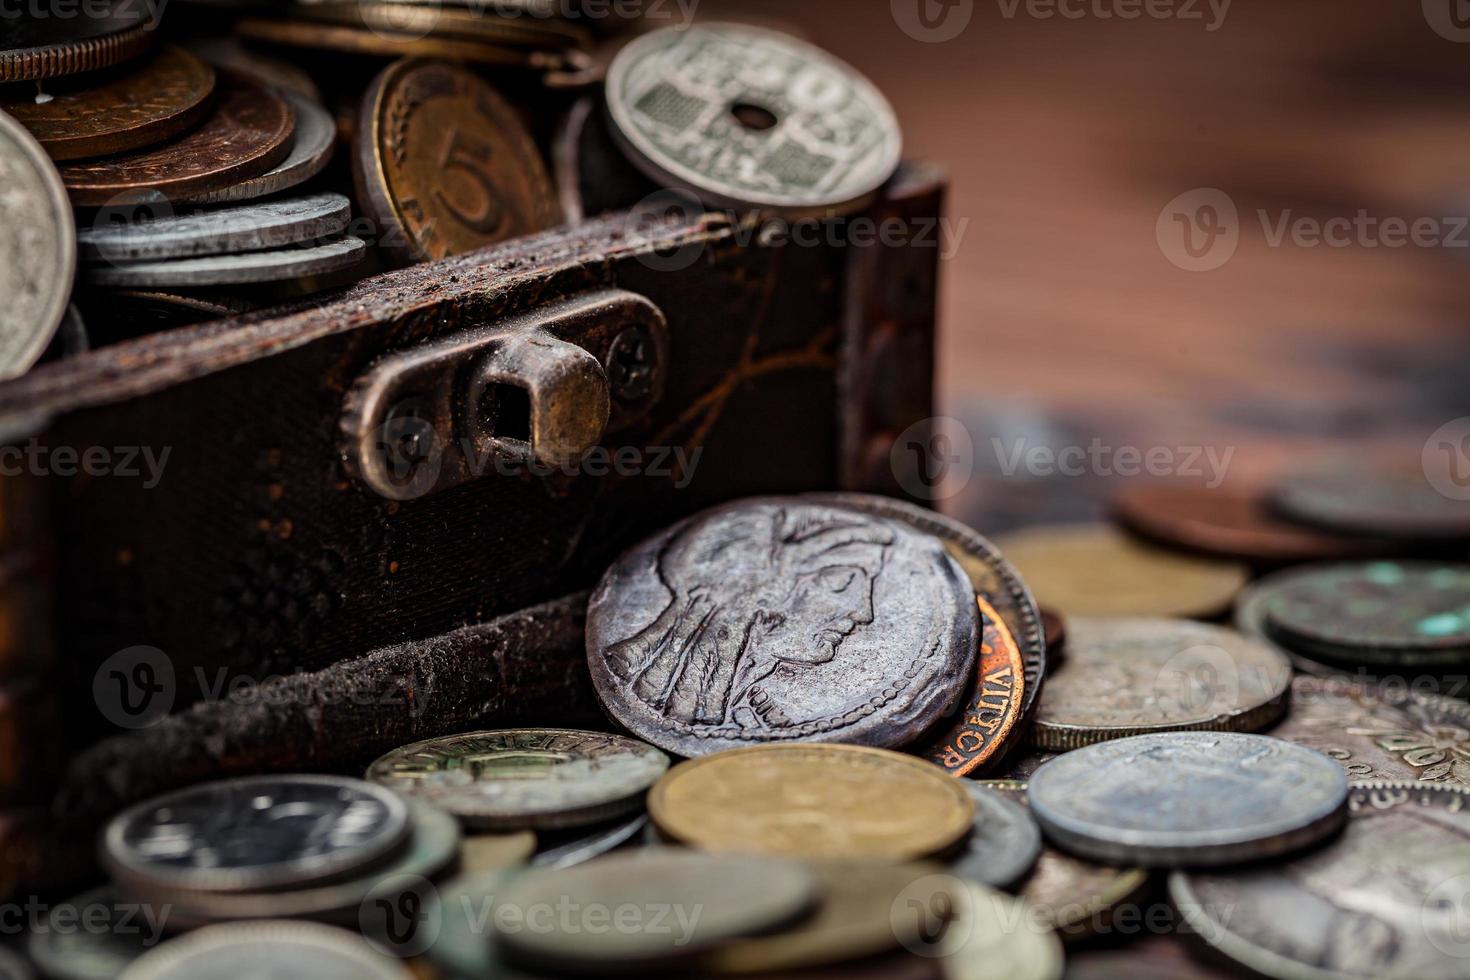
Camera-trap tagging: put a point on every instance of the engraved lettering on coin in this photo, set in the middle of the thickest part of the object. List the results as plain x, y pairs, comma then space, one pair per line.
781, 619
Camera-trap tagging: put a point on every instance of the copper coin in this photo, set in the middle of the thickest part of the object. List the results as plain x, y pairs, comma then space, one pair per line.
1390, 502
391, 44
1230, 524
33, 48
991, 709
1054, 624
443, 164
248, 133
155, 101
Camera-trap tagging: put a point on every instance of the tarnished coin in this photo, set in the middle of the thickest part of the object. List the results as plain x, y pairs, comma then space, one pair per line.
157, 100
276, 265
735, 896
397, 44
1131, 676
586, 845
1385, 901
67, 43
1097, 570
991, 712
781, 619
1379, 612
746, 117
1250, 620
38, 249
279, 950
1189, 798
270, 224
1362, 498
531, 777
1381, 731
813, 801
247, 133
1230, 524
94, 936
1004, 845
252, 834
445, 166
311, 151
469, 22
985, 939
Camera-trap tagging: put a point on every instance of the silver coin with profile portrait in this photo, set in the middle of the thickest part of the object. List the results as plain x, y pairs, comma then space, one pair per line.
781, 619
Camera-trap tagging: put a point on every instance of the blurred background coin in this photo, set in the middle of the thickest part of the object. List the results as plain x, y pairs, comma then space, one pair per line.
1004, 845
486, 853
248, 227
1361, 497
989, 943
94, 936
276, 265
570, 849
279, 950
37, 47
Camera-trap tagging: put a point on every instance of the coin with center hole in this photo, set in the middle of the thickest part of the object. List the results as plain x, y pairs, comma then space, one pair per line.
249, 227
261, 832
1131, 676
279, 950
1385, 901
1189, 798
275, 265
38, 249
745, 117
1004, 845
525, 778
311, 151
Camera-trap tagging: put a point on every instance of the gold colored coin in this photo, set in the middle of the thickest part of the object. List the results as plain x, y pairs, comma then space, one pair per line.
813, 801
1097, 570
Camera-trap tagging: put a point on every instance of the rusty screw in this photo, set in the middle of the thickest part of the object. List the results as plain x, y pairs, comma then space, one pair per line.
631, 364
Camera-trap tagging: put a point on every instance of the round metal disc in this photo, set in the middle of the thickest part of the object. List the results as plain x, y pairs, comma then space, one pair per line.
33, 48
746, 117
261, 832
279, 950
311, 151
221, 270
1005, 844
250, 227
1390, 502
38, 249
1189, 798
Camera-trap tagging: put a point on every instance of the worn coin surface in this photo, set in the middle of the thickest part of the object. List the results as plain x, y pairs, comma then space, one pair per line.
275, 265
991, 576
155, 101
1004, 845
736, 896
1231, 524
38, 249
445, 166
1378, 612
782, 619
989, 943
1381, 731
1385, 901
279, 950
746, 117
525, 778
1188, 798
1362, 498
260, 832
1131, 676
991, 713
1097, 570
247, 133
813, 801
311, 151
1250, 620
46, 47
94, 936
250, 227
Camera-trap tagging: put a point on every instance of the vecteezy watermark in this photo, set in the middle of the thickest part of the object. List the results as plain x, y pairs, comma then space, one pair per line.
1450, 19
1211, 13
402, 916
484, 915
137, 921
146, 13
1100, 459
933, 21
1446, 459
34, 458
933, 459
1199, 230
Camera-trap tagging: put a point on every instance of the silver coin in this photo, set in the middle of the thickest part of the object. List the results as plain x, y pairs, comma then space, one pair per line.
1005, 844
315, 139
1188, 798
525, 778
780, 619
223, 270
95, 935
219, 231
588, 846
1385, 901
735, 895
253, 834
746, 117
1250, 620
38, 249
278, 950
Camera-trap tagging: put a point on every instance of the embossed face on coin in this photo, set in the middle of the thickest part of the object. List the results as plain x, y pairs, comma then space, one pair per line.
1384, 901
533, 777
781, 619
746, 117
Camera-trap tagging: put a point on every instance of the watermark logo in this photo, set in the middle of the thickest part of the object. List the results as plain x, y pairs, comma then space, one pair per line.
1098, 458
1199, 231
149, 13
401, 916
1211, 13
1446, 459
933, 21
1445, 916
1199, 682
933, 459
135, 688
931, 917
1450, 19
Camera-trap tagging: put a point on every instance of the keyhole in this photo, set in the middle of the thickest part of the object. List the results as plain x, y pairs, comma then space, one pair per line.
755, 118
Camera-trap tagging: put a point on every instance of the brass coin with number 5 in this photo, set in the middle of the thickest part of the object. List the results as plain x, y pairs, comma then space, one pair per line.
444, 166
